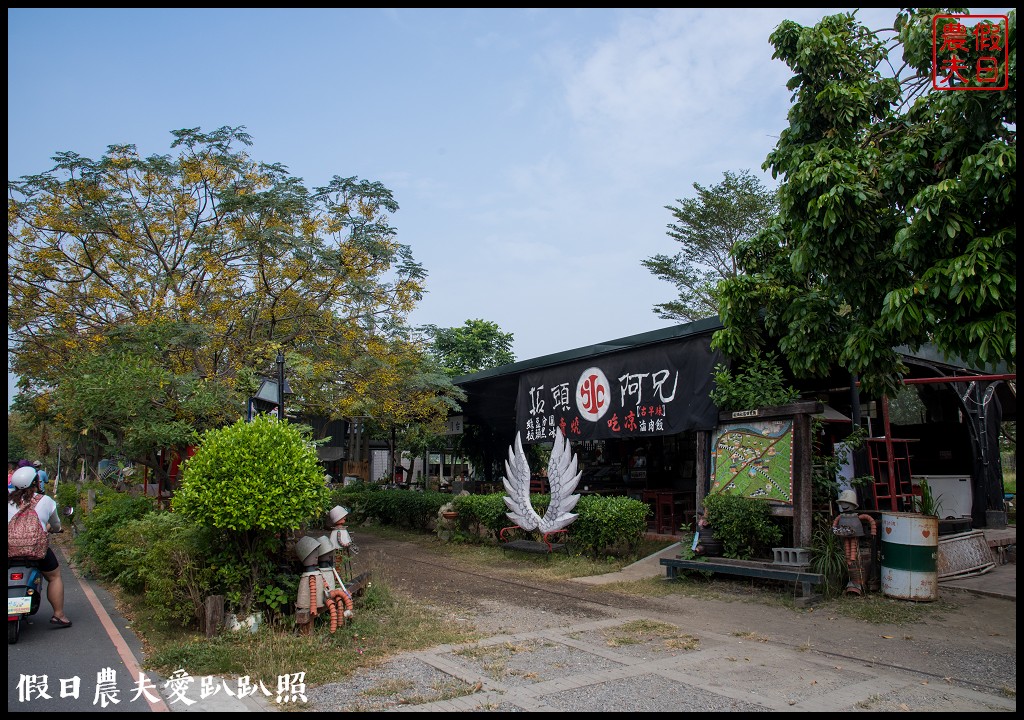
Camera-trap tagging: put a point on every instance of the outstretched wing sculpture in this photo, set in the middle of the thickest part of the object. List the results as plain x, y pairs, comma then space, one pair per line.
562, 479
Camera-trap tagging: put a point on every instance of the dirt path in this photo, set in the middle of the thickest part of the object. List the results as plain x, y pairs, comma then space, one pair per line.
962, 656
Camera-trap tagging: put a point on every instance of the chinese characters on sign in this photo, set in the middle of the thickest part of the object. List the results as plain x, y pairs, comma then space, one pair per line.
969, 52
290, 688
649, 391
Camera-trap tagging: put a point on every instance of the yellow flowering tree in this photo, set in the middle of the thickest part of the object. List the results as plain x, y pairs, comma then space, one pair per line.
209, 238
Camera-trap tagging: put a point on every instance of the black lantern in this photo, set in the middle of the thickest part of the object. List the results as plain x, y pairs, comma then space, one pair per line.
271, 393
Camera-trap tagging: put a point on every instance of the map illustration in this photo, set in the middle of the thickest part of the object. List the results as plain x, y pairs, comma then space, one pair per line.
754, 460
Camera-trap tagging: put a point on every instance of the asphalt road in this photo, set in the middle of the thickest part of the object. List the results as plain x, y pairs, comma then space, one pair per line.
90, 667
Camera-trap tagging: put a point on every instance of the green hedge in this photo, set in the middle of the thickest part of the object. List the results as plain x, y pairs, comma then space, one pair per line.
605, 524
609, 524
113, 511
396, 508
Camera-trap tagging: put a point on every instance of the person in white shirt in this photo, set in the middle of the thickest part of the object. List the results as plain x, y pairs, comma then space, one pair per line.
25, 482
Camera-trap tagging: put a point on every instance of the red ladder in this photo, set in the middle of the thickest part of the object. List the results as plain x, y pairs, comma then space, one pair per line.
892, 487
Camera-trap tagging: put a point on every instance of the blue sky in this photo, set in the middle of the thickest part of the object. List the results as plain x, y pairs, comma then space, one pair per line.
532, 152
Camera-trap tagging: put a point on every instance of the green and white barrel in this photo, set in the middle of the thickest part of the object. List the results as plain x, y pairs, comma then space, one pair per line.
910, 556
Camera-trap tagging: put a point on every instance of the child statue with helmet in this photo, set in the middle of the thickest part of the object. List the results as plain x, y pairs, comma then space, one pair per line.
849, 525
321, 588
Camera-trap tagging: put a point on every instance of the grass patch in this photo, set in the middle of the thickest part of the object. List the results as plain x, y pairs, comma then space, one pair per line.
750, 635
869, 703
505, 649
384, 625
880, 610
774, 593
639, 632
494, 659
397, 692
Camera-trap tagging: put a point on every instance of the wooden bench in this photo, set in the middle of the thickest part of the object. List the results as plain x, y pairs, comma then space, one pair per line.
545, 546
750, 568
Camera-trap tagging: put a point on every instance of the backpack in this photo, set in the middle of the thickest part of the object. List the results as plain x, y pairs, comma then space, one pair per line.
26, 537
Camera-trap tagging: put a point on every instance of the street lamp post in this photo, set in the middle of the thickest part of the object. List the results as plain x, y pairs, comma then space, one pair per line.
280, 385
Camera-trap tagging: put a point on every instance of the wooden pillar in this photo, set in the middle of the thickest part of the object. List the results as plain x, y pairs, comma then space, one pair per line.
213, 614
702, 465
803, 467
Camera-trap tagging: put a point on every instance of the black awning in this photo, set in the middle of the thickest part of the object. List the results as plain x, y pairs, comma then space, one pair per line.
648, 391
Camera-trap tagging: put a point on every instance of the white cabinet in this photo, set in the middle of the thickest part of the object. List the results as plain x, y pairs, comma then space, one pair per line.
953, 493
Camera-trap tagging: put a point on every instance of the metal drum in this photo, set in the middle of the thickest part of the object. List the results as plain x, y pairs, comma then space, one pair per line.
910, 552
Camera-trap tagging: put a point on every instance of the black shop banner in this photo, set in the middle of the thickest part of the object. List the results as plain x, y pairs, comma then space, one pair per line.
661, 390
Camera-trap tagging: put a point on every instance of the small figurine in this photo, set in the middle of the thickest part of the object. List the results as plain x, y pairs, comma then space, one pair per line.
340, 536
848, 525
335, 596
307, 601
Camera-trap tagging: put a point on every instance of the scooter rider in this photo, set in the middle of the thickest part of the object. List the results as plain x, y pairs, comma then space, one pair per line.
25, 481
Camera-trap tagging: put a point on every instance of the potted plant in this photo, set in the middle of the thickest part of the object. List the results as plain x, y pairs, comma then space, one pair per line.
926, 503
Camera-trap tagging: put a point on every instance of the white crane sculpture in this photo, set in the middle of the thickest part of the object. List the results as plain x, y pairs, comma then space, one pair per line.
562, 480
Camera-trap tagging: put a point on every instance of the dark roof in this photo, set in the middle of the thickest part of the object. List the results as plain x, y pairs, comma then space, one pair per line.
674, 332
491, 394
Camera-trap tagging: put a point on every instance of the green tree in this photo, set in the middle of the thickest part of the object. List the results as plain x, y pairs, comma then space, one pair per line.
124, 399
251, 481
18, 436
896, 224
410, 399
707, 226
477, 345
212, 238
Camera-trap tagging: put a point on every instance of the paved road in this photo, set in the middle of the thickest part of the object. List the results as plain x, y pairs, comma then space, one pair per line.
95, 665
89, 667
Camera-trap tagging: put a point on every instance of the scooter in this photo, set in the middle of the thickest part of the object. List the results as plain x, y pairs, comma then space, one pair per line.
24, 591
24, 594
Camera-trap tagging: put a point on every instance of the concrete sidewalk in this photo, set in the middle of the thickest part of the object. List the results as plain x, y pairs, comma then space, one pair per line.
643, 569
603, 665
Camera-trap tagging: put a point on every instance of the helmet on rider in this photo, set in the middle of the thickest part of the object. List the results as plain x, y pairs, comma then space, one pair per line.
23, 477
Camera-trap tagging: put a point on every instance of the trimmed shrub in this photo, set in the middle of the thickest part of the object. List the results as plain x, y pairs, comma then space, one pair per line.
402, 508
745, 525
260, 475
609, 525
252, 480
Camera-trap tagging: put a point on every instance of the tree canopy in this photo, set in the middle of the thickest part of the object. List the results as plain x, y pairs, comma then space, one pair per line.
122, 399
474, 346
707, 227
477, 345
236, 256
209, 237
896, 224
